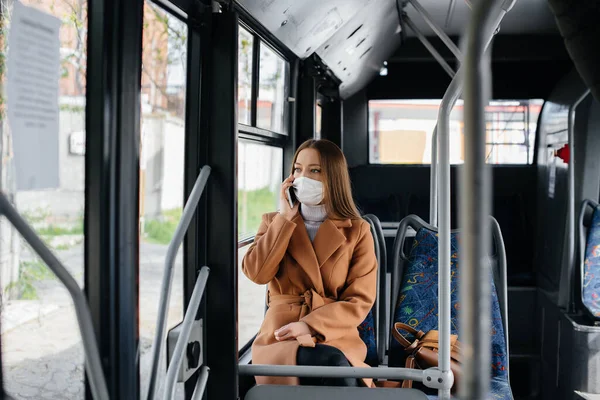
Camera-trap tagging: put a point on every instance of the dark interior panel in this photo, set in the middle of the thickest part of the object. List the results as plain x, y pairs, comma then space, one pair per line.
511, 80
552, 191
524, 67
570, 352
393, 192
524, 350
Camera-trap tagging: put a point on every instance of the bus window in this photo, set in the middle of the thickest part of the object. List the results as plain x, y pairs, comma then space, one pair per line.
259, 179
263, 126
42, 351
401, 131
318, 118
271, 92
163, 96
245, 50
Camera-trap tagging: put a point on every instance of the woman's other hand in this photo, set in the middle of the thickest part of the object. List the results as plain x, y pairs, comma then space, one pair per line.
292, 331
284, 206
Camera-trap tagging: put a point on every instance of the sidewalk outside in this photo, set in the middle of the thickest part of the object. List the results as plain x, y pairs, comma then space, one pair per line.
42, 353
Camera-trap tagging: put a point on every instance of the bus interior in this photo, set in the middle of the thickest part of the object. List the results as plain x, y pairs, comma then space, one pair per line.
175, 124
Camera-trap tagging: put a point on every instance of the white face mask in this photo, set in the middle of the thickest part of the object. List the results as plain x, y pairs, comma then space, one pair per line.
308, 191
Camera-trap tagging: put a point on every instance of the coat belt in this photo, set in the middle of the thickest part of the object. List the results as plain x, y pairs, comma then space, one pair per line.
309, 300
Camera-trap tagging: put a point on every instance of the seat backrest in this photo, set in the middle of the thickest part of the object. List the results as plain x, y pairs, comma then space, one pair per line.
375, 323
383, 300
589, 249
415, 288
379, 237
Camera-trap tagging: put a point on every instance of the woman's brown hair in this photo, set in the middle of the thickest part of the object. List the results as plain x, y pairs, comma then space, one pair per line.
336, 183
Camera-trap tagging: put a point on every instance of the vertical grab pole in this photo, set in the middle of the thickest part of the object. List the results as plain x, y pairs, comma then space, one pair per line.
438, 31
443, 137
443, 180
566, 297
475, 204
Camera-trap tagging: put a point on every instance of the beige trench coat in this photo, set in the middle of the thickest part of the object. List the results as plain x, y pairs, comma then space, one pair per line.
330, 284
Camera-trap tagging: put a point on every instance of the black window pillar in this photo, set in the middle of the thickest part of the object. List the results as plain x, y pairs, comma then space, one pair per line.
112, 187
196, 155
217, 144
293, 107
306, 102
331, 123
195, 144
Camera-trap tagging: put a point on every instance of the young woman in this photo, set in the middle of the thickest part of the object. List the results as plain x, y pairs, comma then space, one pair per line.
318, 260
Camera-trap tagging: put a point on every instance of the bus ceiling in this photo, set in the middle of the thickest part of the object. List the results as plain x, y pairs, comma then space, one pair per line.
578, 24
355, 37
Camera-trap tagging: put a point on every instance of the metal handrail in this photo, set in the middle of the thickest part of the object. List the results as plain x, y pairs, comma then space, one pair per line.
438, 31
475, 196
201, 384
434, 178
245, 241
186, 329
165, 292
443, 181
432, 50
444, 248
93, 364
302, 371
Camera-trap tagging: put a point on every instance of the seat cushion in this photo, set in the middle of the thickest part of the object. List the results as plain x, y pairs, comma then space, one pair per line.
590, 292
418, 299
366, 330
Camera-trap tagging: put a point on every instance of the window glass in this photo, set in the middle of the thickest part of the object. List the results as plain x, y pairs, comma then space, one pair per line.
511, 127
259, 180
161, 174
318, 117
42, 351
251, 303
245, 49
271, 92
401, 131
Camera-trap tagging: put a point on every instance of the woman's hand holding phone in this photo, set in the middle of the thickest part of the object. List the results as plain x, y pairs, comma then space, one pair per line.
285, 209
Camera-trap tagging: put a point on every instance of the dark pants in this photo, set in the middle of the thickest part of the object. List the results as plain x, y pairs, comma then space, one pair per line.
327, 356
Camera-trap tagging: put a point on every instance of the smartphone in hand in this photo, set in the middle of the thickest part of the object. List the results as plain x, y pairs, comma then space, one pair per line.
290, 198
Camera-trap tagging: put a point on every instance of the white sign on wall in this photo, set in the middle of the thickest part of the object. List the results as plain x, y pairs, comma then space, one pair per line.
32, 85
77, 143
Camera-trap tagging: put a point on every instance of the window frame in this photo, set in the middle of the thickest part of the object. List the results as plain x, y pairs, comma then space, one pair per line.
245, 240
111, 213
251, 133
278, 138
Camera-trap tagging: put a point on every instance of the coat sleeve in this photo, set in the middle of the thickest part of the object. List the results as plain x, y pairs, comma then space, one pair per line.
332, 321
261, 262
